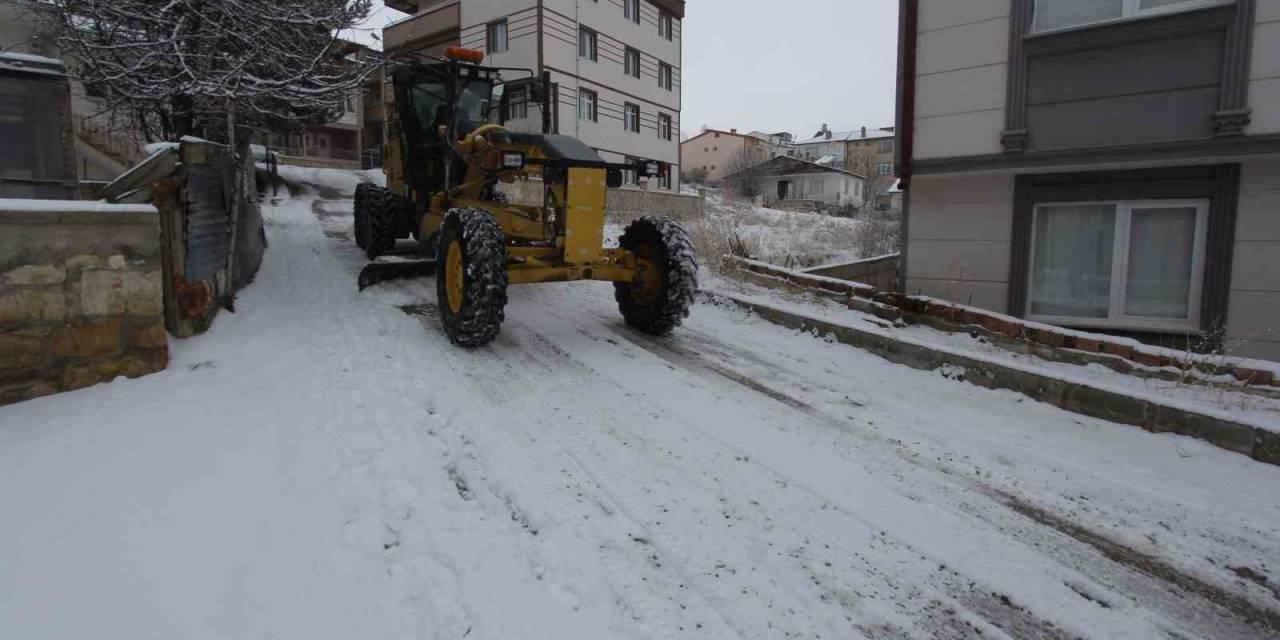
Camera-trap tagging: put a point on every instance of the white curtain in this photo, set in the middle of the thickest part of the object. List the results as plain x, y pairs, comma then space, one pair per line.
1056, 14
1071, 270
1161, 253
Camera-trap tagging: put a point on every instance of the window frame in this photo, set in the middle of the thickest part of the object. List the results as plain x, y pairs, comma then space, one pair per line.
666, 78
665, 120
666, 26
594, 111
1116, 318
631, 10
518, 104
628, 108
628, 55
1129, 10
885, 145
489, 31
884, 168
587, 35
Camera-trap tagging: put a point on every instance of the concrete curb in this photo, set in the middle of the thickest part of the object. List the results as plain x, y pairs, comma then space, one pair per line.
1096, 402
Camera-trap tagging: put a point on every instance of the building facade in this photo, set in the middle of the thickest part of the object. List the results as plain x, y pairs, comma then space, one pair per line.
713, 152
785, 179
615, 64
106, 144
1111, 165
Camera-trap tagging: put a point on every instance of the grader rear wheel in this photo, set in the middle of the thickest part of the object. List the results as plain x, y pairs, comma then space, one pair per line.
658, 300
471, 282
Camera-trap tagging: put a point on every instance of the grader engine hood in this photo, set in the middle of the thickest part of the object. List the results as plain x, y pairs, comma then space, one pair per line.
558, 147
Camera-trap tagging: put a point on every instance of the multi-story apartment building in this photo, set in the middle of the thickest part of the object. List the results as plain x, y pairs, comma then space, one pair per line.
615, 64
713, 152
1111, 165
106, 144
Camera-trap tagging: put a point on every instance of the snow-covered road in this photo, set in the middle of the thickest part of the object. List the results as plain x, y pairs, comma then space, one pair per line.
323, 464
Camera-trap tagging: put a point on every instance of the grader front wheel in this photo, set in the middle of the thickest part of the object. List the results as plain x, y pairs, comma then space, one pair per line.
471, 282
659, 297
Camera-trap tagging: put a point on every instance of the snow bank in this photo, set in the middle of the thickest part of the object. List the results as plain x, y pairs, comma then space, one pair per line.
15, 205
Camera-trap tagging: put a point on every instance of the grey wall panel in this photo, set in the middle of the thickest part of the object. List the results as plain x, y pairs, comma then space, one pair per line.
208, 222
1181, 62
1185, 114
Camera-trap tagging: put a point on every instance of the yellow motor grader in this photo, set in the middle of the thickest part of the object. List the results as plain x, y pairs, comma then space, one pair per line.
446, 154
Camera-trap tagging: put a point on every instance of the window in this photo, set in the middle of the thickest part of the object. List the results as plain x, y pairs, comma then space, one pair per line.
884, 169
631, 119
664, 78
518, 104
587, 44
1134, 264
1061, 14
664, 126
632, 58
587, 105
497, 32
665, 24
664, 175
631, 10
631, 176
886, 146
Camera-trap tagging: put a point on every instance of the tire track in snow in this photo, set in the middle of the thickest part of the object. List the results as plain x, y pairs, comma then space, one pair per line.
1155, 583
1009, 616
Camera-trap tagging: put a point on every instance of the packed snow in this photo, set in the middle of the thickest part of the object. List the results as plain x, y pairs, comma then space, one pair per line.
324, 464
20, 205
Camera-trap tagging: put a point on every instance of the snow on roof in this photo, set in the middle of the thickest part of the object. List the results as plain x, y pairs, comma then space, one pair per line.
19, 205
809, 167
873, 133
29, 63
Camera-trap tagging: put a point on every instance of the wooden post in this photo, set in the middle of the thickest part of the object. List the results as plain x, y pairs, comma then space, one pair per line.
228, 301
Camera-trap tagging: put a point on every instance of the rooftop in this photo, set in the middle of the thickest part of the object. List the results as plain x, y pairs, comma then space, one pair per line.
863, 133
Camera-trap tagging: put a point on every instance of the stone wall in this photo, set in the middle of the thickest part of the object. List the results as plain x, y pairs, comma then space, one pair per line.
80, 295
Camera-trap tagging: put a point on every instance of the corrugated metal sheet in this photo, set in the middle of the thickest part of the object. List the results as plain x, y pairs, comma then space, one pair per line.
208, 222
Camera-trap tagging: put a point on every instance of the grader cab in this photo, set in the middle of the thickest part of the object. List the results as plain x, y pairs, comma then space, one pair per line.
447, 155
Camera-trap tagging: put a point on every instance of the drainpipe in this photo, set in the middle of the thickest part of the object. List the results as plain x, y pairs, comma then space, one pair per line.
908, 22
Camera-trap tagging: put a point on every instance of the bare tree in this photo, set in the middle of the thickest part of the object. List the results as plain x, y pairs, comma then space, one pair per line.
181, 66
881, 231
863, 161
696, 175
218, 68
744, 174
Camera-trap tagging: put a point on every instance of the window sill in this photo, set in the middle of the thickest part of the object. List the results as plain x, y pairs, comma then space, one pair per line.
1180, 328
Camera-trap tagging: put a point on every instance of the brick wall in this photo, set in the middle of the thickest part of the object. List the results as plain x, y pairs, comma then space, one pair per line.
80, 295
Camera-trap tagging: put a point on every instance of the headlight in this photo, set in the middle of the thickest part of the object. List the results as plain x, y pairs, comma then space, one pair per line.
512, 160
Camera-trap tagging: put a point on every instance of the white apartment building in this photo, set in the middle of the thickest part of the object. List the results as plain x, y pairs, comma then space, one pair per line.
615, 64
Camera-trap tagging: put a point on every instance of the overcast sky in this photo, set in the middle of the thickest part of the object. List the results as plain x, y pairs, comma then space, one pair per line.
788, 66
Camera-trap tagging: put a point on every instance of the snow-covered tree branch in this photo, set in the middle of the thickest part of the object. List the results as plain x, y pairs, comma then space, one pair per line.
179, 65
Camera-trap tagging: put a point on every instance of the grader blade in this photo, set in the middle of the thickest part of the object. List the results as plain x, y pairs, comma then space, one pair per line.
376, 272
